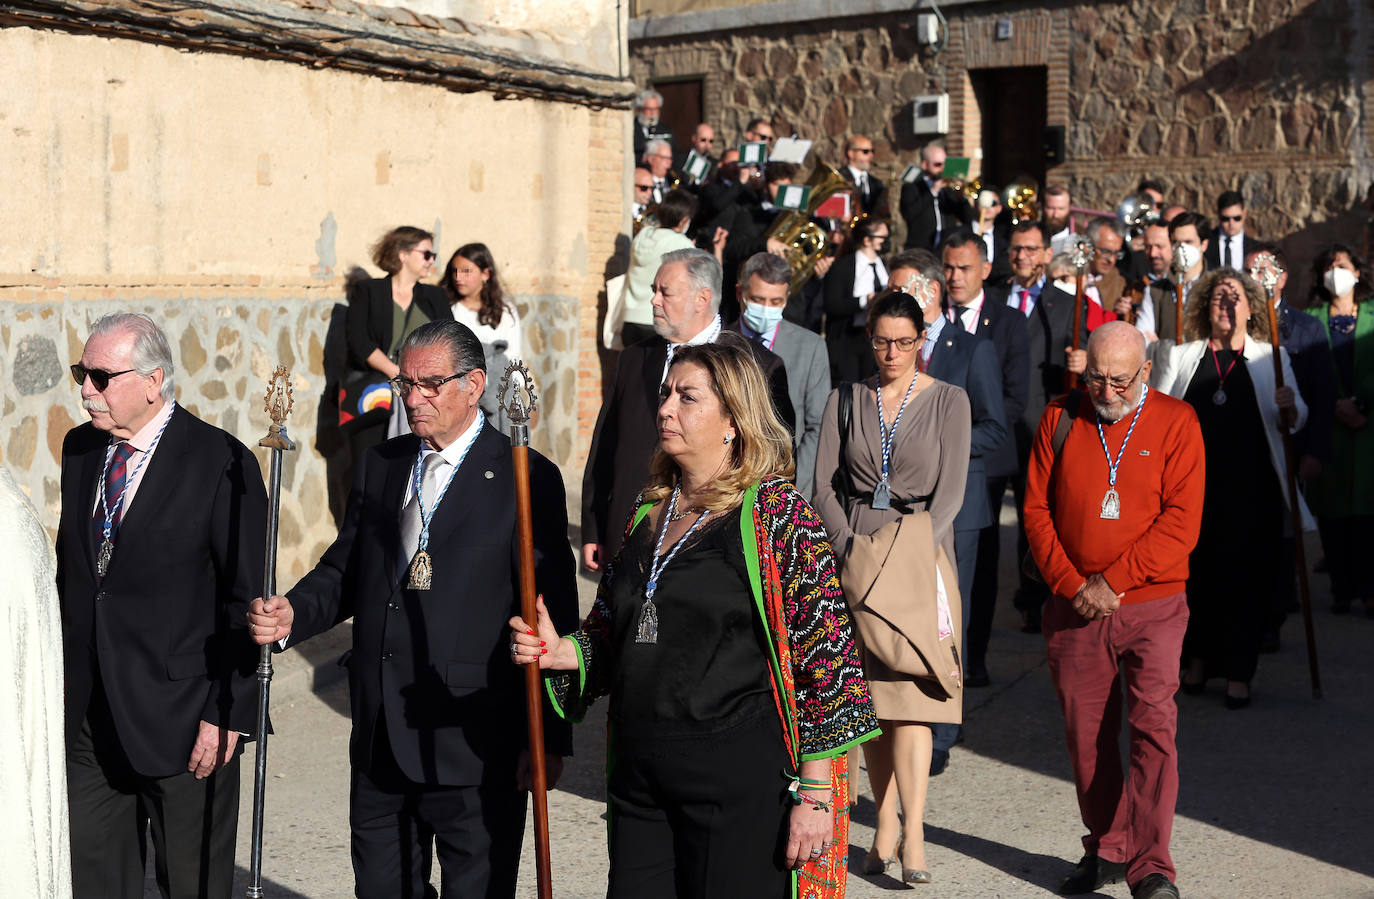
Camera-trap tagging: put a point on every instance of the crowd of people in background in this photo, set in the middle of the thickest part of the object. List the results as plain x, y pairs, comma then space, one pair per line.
1044, 316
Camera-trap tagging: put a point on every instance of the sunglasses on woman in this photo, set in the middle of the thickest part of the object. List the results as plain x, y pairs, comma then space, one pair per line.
99, 378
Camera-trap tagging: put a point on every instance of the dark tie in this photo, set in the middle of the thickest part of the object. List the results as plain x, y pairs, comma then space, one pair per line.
959, 317
1226, 259
115, 479
877, 279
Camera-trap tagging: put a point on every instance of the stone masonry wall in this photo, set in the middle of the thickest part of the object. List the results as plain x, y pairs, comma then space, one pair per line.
1273, 97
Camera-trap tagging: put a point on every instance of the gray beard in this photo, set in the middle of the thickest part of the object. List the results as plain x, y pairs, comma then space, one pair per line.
1109, 414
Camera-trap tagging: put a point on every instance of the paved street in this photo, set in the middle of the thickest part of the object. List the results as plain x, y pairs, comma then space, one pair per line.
1277, 800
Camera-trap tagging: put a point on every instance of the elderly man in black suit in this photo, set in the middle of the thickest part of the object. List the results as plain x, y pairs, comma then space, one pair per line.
686, 311
427, 564
1049, 320
159, 548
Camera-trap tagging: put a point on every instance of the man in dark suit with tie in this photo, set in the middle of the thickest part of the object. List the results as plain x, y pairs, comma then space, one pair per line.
966, 270
953, 355
686, 311
930, 208
160, 549
427, 564
1230, 245
1049, 320
870, 193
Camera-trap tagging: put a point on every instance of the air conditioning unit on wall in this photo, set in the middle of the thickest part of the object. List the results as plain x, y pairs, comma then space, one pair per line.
930, 114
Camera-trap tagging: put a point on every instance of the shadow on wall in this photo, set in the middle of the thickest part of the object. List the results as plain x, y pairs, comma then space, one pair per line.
616, 264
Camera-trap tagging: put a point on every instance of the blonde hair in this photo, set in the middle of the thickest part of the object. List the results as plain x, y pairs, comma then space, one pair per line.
762, 447
1197, 324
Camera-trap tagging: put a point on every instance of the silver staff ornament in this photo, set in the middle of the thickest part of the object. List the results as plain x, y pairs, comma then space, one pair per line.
519, 400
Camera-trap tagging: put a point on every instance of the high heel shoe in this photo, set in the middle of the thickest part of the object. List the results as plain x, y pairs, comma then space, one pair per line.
916, 875
876, 864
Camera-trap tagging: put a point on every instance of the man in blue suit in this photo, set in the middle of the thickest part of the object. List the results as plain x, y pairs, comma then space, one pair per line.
951, 354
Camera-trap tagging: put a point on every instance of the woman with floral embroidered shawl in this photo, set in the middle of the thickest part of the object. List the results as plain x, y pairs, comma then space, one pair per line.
722, 638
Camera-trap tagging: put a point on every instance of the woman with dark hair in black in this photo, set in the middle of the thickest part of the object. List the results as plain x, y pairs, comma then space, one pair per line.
381, 314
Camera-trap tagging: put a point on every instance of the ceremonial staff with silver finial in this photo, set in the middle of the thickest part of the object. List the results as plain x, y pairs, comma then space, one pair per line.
519, 401
1185, 257
1265, 269
277, 404
1079, 258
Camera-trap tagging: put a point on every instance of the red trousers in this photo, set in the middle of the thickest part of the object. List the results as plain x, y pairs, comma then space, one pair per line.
1129, 815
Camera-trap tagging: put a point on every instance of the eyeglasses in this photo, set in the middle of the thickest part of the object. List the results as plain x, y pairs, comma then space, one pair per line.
1231, 218
100, 379
1015, 250
1110, 254
429, 387
1120, 385
905, 344
868, 150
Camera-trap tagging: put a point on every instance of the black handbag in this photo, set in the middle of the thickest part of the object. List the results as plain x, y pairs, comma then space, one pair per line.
840, 481
361, 392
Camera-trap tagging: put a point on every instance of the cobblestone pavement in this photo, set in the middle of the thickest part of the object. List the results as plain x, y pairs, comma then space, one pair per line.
1277, 800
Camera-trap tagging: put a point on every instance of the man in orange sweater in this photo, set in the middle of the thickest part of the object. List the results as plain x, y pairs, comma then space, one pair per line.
1111, 522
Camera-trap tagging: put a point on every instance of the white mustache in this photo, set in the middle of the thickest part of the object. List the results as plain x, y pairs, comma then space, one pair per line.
94, 405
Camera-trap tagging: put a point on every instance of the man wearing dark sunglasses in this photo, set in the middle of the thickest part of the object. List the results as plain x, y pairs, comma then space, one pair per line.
1229, 246
159, 548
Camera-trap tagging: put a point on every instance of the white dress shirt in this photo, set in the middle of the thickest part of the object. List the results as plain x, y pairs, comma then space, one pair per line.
705, 335
451, 455
1237, 249
969, 318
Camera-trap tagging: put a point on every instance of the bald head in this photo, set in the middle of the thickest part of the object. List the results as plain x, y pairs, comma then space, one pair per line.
1117, 369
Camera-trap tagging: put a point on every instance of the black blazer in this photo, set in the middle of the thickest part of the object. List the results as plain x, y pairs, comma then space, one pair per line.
370, 312
1309, 351
167, 624
1006, 328
1050, 330
918, 211
970, 362
626, 437
838, 291
433, 667
874, 203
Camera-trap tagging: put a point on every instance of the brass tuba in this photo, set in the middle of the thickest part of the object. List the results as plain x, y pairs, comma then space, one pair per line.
1021, 198
806, 242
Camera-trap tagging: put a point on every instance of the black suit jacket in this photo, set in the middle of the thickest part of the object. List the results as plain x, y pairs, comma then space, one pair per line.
166, 627
626, 437
874, 203
642, 136
917, 206
370, 311
970, 362
433, 666
838, 292
1050, 331
1006, 328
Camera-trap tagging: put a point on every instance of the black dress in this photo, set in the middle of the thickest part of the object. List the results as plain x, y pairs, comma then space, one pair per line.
697, 796
1235, 564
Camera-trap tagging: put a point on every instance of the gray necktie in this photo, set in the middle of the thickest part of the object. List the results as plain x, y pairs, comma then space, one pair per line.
410, 515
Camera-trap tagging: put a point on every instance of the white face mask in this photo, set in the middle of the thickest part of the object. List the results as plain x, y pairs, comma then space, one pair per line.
761, 318
1339, 281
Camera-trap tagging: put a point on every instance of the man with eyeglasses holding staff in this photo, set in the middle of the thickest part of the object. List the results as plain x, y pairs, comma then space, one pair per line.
159, 551
426, 562
1112, 541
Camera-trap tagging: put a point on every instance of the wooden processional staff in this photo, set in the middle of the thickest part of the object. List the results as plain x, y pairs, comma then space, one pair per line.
1266, 270
519, 401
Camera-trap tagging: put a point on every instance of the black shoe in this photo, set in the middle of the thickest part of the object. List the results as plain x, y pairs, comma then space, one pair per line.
977, 675
1235, 703
939, 761
1154, 886
1091, 874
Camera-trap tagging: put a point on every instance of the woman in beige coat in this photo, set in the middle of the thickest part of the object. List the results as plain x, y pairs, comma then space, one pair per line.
902, 464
